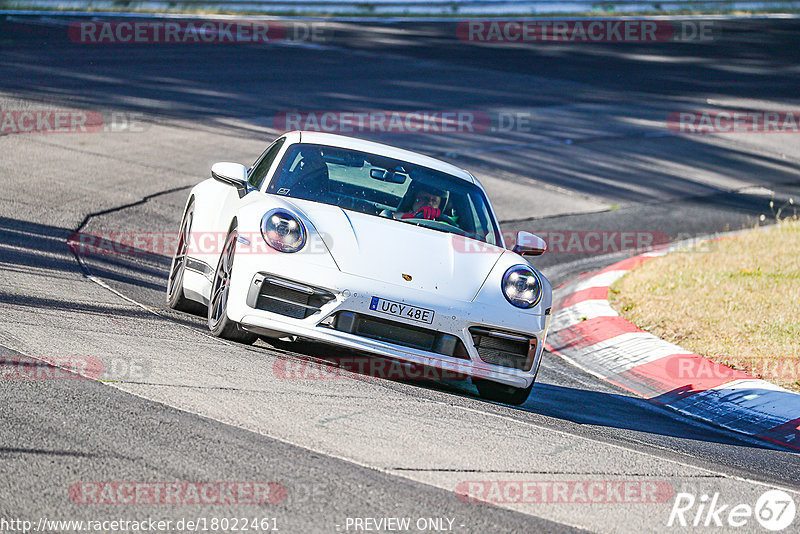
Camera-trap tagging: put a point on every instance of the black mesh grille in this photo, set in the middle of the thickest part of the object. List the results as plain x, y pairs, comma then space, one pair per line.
496, 350
284, 293
290, 302
283, 308
401, 334
398, 333
519, 348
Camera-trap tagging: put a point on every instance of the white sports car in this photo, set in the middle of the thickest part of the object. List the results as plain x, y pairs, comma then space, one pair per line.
367, 247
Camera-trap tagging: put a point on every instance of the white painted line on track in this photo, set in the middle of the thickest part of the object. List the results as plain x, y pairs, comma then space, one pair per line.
583, 311
626, 351
143, 306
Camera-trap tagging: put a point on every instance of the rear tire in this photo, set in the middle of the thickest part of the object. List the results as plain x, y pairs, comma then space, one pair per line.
501, 393
218, 322
176, 299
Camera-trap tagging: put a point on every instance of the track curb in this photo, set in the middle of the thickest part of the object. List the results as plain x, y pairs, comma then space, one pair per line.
588, 332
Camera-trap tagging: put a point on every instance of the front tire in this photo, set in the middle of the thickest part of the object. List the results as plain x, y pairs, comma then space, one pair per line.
501, 393
218, 321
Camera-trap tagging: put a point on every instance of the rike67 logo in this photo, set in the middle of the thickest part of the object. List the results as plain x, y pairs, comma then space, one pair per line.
774, 510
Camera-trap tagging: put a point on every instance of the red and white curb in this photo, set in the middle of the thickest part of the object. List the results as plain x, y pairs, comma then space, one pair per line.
587, 331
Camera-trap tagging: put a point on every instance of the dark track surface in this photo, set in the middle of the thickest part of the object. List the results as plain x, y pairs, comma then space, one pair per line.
209, 103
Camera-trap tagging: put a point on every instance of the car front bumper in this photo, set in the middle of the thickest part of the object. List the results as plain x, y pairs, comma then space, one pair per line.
354, 294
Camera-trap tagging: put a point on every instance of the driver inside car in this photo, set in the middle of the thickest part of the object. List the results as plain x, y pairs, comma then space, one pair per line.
426, 206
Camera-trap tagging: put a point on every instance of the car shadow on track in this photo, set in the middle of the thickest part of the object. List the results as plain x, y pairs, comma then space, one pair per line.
307, 360
604, 409
26, 244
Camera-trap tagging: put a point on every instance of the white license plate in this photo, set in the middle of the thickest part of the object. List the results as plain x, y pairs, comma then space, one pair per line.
390, 307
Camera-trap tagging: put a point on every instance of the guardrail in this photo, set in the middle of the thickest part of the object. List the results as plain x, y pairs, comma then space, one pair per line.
412, 7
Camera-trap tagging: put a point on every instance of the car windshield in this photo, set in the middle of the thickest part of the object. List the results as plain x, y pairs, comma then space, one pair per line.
385, 187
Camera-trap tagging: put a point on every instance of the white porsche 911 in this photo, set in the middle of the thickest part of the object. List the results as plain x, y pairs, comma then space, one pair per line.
367, 247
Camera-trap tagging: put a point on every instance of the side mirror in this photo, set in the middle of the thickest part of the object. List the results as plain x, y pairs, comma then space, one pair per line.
232, 174
529, 244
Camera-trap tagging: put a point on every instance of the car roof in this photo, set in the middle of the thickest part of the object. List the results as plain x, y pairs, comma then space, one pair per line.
353, 143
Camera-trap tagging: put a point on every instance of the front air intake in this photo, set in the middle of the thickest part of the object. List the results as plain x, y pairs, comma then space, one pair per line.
398, 333
286, 297
506, 349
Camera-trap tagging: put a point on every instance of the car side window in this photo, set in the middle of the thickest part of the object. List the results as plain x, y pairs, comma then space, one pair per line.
261, 168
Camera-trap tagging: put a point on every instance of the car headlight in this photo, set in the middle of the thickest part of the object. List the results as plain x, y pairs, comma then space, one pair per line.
522, 287
283, 231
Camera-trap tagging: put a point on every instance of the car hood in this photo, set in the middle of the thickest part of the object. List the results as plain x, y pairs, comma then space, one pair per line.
385, 250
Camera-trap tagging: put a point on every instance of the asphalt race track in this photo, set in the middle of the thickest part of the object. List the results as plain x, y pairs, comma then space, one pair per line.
593, 153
